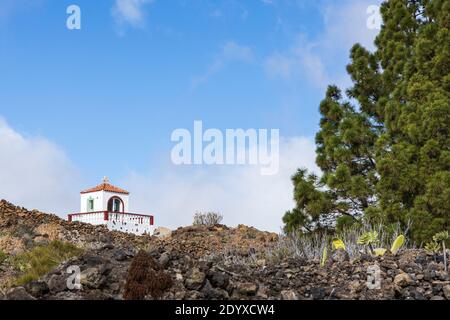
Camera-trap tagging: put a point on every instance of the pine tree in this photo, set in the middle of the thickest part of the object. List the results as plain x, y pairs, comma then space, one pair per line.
384, 149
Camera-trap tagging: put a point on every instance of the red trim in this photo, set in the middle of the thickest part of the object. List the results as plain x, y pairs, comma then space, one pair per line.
84, 213
106, 216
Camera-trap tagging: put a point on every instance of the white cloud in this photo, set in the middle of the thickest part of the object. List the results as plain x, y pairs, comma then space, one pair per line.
298, 61
230, 51
36, 173
240, 193
130, 12
344, 25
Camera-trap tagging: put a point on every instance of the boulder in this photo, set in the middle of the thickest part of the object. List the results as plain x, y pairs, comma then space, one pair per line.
37, 288
19, 293
91, 278
164, 260
57, 283
162, 233
219, 279
403, 280
195, 279
446, 290
289, 295
247, 288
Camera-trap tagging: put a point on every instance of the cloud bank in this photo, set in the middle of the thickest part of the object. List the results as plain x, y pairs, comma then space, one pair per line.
36, 173
240, 193
344, 25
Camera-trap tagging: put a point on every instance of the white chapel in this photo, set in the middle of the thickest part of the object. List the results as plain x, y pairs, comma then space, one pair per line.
108, 205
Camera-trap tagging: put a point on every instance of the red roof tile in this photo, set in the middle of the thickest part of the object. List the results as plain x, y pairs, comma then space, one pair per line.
105, 187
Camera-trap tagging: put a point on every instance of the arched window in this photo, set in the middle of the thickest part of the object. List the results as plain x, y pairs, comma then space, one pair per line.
115, 204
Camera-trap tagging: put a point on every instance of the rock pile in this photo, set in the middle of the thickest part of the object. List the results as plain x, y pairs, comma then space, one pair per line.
20, 227
217, 263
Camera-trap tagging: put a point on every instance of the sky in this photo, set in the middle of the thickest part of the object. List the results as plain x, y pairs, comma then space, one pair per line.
77, 105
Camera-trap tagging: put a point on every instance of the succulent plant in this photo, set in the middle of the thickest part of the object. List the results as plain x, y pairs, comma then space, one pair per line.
442, 237
432, 247
369, 239
338, 244
379, 252
398, 244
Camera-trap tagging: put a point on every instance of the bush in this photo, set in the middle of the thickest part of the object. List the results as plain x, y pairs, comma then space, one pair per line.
3, 257
208, 219
42, 259
145, 277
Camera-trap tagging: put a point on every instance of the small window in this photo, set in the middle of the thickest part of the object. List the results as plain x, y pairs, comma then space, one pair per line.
90, 205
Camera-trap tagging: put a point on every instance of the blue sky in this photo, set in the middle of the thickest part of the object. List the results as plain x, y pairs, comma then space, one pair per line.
105, 99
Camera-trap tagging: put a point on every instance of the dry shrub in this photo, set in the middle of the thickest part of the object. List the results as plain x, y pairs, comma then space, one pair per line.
209, 219
145, 277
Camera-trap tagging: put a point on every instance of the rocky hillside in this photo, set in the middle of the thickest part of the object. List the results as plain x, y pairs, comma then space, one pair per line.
202, 263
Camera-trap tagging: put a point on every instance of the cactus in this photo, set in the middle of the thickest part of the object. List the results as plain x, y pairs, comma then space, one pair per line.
379, 252
324, 257
398, 244
338, 244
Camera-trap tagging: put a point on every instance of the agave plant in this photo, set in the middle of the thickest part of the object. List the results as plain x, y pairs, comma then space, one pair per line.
442, 237
369, 239
432, 247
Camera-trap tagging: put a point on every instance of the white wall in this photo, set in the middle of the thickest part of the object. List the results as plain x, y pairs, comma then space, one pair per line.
126, 224
101, 199
98, 201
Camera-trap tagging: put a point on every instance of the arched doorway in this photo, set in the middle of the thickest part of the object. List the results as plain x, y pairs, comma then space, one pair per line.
115, 204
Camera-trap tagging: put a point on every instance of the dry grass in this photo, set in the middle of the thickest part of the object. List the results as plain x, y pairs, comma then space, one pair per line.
42, 259
310, 246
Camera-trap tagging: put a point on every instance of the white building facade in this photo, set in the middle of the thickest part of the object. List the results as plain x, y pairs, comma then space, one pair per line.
109, 205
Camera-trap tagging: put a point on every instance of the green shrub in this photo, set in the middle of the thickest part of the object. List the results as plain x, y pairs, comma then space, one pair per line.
3, 257
42, 259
